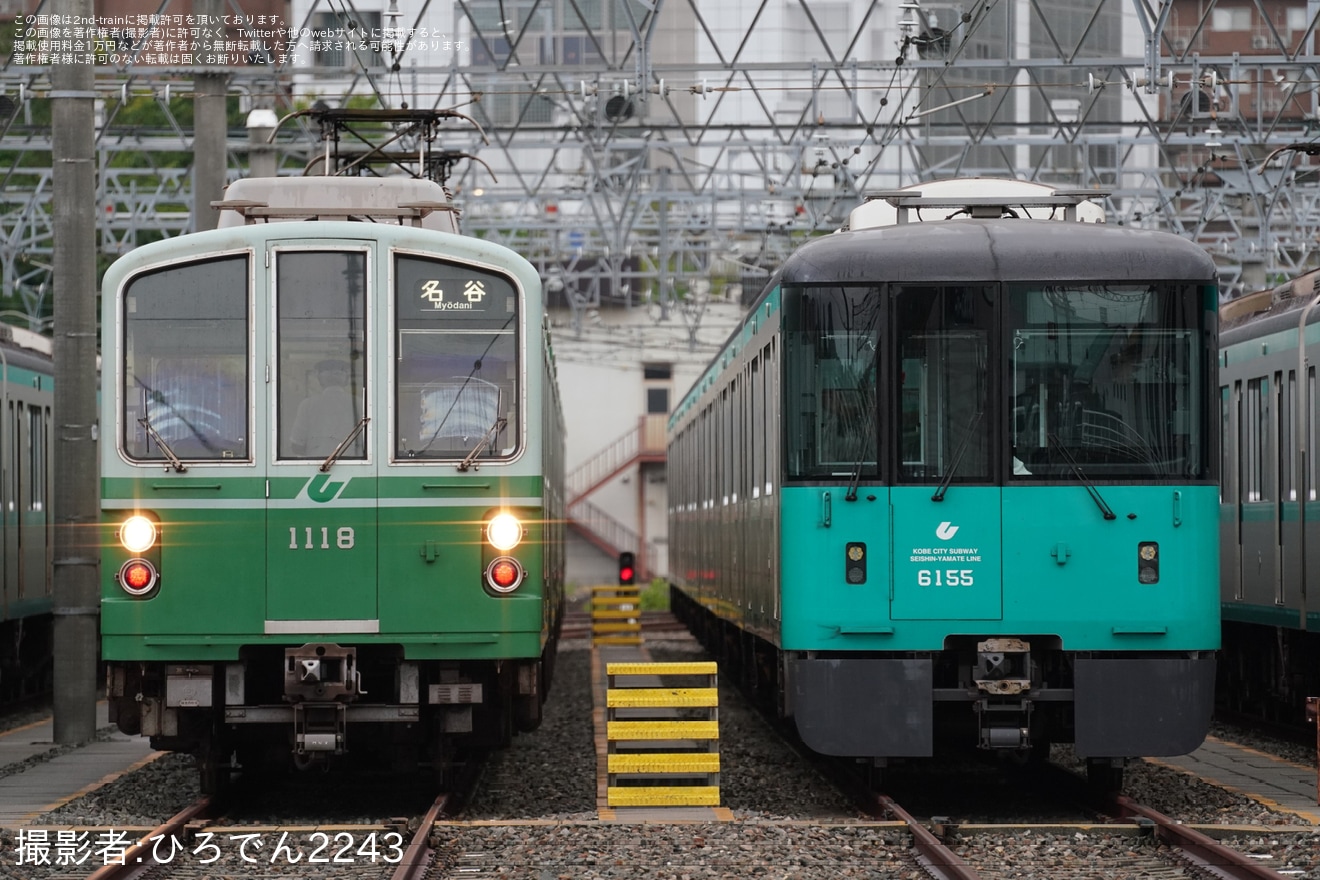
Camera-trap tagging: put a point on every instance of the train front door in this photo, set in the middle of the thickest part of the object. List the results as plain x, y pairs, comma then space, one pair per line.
321, 496
946, 523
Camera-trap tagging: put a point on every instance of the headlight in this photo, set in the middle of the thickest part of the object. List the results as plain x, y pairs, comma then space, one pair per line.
137, 534
504, 532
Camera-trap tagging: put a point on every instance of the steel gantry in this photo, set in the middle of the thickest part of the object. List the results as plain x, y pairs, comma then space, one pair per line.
667, 153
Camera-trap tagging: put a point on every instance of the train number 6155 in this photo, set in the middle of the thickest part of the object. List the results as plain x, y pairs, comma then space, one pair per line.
949, 577
343, 538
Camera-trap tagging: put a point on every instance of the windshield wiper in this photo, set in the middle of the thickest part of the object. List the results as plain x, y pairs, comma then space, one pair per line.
175, 461
957, 457
1090, 487
343, 444
486, 439
866, 439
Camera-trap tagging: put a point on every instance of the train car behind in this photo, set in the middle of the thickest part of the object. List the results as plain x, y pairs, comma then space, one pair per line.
26, 473
1269, 522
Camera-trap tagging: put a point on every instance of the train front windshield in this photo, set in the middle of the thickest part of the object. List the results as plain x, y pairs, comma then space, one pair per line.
1109, 378
188, 356
1034, 380
456, 360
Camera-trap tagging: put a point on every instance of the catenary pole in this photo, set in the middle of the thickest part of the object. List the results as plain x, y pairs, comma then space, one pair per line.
210, 125
76, 582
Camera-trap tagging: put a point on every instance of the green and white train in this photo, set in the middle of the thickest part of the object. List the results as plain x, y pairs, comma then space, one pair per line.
955, 474
331, 471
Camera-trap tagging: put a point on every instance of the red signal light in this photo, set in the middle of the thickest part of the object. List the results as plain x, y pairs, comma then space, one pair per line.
627, 568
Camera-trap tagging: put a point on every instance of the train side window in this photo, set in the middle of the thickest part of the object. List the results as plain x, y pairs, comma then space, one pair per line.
186, 360
37, 450
831, 362
1226, 448
1309, 415
13, 420
1287, 431
1256, 432
757, 428
456, 361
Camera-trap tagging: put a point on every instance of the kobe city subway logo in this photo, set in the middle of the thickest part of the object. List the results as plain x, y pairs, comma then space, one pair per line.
946, 531
320, 489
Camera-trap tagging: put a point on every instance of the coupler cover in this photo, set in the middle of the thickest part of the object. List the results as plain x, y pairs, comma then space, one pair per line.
320, 672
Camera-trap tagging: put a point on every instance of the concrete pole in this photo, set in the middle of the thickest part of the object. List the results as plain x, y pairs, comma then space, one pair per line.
210, 131
76, 585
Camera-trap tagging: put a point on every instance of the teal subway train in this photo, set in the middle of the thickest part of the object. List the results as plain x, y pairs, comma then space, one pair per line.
955, 477
1269, 519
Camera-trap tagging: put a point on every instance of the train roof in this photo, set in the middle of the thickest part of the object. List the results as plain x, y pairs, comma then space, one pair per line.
1269, 311
979, 250
27, 349
396, 200
945, 198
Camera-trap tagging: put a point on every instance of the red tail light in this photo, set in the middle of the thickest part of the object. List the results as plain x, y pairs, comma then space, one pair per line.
137, 577
504, 574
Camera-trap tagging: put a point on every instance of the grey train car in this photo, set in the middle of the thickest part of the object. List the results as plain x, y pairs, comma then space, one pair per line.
26, 434
1269, 516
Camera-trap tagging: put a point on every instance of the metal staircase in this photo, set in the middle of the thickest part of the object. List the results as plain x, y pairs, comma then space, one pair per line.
643, 445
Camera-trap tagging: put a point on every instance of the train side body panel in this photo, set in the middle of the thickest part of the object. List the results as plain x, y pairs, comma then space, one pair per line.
27, 435
1269, 518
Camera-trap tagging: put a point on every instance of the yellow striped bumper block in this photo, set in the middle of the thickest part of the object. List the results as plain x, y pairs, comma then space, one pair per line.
664, 796
657, 757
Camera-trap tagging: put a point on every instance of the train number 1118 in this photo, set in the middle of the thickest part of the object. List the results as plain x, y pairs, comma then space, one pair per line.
343, 538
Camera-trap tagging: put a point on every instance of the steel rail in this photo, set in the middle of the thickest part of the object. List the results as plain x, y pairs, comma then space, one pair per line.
1204, 852
939, 861
139, 857
417, 858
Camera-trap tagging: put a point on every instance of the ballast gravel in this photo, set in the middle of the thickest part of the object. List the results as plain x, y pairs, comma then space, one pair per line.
534, 814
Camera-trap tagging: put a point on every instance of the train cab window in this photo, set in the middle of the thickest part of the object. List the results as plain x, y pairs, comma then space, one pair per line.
1109, 378
322, 314
186, 356
943, 382
831, 341
456, 361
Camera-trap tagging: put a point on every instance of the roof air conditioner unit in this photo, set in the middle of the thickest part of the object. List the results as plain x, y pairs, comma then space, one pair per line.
1260, 41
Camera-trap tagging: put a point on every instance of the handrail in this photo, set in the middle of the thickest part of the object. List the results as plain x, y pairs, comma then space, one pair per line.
646, 439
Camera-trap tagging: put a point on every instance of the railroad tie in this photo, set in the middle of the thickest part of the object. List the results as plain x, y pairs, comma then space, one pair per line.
663, 732
616, 615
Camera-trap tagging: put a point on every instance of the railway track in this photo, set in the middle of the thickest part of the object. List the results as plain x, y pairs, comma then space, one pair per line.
204, 841
657, 624
1149, 844
186, 846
